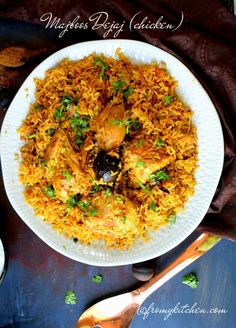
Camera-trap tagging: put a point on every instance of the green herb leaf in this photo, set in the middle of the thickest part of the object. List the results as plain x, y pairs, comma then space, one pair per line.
67, 175
84, 205
78, 137
140, 163
33, 136
104, 67
128, 92
72, 201
190, 280
93, 212
67, 101
153, 206
172, 219
120, 198
168, 100
117, 85
50, 191
50, 131
97, 279
80, 125
44, 164
160, 143
70, 297
108, 192
143, 186
161, 175
136, 124
117, 122
58, 114
96, 187
123, 219
120, 123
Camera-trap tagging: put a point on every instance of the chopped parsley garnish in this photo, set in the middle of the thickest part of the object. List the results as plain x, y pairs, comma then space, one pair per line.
123, 219
136, 125
104, 67
153, 206
108, 192
128, 92
120, 198
58, 114
67, 175
93, 212
80, 125
168, 100
44, 164
143, 186
33, 136
70, 297
140, 163
161, 175
172, 219
120, 123
50, 191
97, 279
96, 187
72, 201
84, 205
50, 131
66, 102
117, 85
190, 280
160, 143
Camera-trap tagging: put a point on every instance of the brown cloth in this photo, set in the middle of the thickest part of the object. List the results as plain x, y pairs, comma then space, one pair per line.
205, 42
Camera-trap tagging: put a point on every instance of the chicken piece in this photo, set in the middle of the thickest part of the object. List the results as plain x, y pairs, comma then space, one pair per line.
60, 155
145, 160
110, 126
86, 152
116, 216
55, 146
65, 188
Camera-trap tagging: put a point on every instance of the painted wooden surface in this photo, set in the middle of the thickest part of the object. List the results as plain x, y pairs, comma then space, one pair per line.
32, 294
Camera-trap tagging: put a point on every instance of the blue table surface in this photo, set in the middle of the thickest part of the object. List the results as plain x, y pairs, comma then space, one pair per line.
32, 294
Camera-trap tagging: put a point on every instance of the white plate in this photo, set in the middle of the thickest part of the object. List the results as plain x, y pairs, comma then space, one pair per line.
2, 261
210, 152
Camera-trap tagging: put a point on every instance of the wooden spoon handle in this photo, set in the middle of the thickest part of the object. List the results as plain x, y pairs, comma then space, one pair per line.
199, 247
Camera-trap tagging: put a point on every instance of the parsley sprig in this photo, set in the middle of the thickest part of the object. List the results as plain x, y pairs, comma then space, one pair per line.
70, 297
50, 191
66, 102
120, 123
80, 125
158, 176
190, 280
98, 62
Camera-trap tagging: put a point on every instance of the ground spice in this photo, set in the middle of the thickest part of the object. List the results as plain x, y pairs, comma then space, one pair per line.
12, 56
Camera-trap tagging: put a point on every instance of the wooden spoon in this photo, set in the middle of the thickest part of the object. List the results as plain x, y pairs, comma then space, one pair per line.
18, 56
118, 311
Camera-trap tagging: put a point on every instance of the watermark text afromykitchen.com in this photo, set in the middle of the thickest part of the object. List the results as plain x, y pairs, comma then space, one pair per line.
109, 27
177, 309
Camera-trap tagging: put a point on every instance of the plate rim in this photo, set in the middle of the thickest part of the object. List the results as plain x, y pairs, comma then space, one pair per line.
125, 260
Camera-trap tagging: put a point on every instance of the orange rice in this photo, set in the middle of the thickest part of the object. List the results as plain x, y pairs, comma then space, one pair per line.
158, 155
